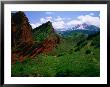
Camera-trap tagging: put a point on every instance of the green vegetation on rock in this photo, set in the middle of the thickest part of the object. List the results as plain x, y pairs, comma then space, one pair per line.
41, 33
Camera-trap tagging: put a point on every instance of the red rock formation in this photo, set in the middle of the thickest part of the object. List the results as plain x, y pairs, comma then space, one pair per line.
26, 33
20, 29
23, 45
50, 43
21, 33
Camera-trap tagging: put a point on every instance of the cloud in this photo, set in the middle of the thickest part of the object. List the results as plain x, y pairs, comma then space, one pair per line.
57, 22
35, 25
61, 23
90, 20
48, 18
91, 14
74, 22
48, 13
43, 20
58, 18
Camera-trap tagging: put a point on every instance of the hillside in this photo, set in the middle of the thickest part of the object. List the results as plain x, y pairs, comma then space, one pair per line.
44, 52
76, 56
41, 33
28, 43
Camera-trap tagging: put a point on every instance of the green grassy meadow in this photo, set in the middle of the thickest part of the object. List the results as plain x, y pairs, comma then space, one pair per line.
76, 56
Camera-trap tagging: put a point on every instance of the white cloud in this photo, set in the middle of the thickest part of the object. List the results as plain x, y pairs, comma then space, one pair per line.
58, 24
49, 18
74, 22
64, 23
91, 14
58, 18
35, 25
90, 20
42, 20
49, 13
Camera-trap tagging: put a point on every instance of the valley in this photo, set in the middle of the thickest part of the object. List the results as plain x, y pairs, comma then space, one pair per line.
45, 52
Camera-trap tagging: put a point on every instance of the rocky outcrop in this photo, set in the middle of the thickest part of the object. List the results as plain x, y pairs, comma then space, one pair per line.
28, 43
21, 31
50, 43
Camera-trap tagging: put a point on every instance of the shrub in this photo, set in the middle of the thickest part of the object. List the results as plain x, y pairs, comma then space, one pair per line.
87, 52
77, 49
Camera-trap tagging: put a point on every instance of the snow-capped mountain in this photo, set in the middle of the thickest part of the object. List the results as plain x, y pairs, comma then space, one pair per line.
85, 26
82, 28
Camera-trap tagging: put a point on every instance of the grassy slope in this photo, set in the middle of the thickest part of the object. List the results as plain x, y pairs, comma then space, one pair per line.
41, 33
76, 55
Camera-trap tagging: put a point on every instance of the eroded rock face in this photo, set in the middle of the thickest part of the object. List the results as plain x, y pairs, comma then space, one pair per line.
23, 44
20, 29
50, 43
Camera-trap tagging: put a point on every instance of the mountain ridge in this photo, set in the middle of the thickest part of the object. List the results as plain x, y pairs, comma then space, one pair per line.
83, 28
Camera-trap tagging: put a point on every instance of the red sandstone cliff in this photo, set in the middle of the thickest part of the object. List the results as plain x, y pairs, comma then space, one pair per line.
23, 44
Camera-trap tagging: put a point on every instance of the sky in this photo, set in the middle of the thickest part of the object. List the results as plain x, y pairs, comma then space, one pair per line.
62, 20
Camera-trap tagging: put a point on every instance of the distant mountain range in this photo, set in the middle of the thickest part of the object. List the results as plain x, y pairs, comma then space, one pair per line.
82, 28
